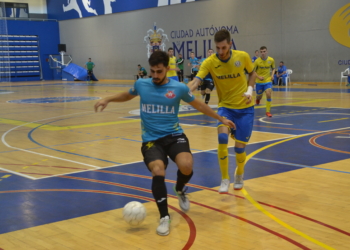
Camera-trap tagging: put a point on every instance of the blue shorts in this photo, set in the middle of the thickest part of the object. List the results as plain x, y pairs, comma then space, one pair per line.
174, 78
262, 87
242, 118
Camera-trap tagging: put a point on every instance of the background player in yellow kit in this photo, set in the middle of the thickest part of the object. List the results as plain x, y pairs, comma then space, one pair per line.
172, 72
264, 67
227, 68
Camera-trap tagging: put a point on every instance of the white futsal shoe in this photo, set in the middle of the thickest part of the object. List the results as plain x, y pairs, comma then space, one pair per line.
225, 184
238, 183
164, 226
184, 202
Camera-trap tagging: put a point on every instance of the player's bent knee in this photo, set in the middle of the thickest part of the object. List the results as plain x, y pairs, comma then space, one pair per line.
184, 161
185, 166
158, 171
223, 138
157, 168
186, 169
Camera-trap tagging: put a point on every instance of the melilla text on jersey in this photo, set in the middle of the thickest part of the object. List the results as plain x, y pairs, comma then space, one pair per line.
229, 76
157, 109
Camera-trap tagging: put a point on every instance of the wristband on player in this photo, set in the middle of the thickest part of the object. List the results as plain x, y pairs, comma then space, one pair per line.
249, 91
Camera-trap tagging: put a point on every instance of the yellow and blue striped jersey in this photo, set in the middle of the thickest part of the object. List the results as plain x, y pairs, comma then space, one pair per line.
229, 78
172, 65
264, 68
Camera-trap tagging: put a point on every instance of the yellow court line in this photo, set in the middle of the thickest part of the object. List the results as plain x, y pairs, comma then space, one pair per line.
257, 205
17, 123
334, 120
55, 128
6, 176
58, 128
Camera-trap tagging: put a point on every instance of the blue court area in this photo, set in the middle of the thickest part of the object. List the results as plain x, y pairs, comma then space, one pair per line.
27, 209
294, 120
27, 203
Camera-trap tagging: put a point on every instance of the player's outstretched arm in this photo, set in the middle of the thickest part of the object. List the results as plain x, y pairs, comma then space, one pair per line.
121, 97
205, 109
193, 85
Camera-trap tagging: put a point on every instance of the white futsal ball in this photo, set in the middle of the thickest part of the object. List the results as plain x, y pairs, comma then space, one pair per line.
134, 213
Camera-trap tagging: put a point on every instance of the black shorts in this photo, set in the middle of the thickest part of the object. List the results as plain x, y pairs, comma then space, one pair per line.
89, 72
170, 145
207, 84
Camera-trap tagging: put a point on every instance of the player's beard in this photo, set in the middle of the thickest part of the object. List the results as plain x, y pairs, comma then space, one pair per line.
225, 56
159, 82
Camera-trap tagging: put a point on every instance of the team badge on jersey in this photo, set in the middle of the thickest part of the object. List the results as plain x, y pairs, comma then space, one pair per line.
170, 94
190, 93
237, 63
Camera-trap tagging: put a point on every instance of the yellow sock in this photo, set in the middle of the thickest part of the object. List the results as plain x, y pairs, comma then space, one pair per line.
268, 106
223, 160
240, 161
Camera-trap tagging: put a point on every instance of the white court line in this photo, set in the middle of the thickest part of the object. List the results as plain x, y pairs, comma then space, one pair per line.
32, 152
4, 135
192, 125
203, 151
17, 173
87, 170
262, 119
50, 156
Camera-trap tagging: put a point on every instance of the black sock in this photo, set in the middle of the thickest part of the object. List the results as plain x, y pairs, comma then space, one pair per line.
160, 195
182, 180
207, 98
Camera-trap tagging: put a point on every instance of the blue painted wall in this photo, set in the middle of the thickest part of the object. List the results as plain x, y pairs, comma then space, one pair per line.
49, 39
61, 10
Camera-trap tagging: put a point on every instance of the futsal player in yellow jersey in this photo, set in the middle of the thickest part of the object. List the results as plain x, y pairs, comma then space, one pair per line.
264, 67
172, 72
228, 68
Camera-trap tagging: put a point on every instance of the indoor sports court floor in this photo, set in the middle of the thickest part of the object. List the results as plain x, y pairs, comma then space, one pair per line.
66, 172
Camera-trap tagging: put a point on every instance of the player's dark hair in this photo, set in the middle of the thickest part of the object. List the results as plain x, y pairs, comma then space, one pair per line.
263, 47
222, 35
159, 57
256, 51
282, 62
170, 48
